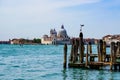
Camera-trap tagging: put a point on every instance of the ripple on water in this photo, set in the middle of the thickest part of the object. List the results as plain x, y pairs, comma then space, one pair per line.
2, 75
19, 79
16, 66
50, 75
2, 64
32, 70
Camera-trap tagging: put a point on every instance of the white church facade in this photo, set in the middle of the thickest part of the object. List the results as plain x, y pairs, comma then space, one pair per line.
56, 38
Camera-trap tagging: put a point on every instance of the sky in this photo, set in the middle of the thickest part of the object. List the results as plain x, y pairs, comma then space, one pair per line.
33, 18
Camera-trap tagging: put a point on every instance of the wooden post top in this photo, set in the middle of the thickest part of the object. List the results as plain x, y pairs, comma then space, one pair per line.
81, 35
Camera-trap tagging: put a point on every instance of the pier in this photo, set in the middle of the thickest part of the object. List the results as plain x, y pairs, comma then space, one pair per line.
90, 60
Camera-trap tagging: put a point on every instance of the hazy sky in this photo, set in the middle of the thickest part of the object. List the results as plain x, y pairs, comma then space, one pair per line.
34, 18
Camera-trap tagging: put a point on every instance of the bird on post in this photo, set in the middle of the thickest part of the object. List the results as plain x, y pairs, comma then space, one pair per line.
81, 34
81, 27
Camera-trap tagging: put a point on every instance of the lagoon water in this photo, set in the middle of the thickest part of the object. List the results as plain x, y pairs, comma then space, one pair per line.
43, 62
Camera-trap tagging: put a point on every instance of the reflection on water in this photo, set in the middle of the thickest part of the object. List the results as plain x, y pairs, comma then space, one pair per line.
85, 74
64, 74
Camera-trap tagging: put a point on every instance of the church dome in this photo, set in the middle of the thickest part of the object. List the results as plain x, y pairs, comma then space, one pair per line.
53, 33
62, 33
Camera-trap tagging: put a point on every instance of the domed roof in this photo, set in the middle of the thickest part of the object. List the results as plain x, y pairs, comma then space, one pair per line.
53, 31
62, 32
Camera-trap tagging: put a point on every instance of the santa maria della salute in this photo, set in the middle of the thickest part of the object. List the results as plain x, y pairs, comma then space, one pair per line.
56, 38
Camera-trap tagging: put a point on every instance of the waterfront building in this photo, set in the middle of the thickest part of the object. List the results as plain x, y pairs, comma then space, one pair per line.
25, 41
56, 38
4, 42
111, 38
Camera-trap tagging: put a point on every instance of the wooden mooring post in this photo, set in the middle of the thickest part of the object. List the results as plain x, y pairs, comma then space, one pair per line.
98, 50
115, 54
118, 54
80, 60
90, 52
118, 48
90, 48
112, 55
65, 56
76, 46
101, 51
81, 48
87, 57
104, 51
72, 51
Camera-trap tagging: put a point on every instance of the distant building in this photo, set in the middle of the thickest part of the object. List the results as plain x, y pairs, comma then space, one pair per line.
4, 42
91, 40
25, 41
56, 38
111, 38
107, 38
15, 41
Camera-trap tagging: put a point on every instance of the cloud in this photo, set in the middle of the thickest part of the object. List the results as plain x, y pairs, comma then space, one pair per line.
69, 3
36, 10
42, 5
16, 15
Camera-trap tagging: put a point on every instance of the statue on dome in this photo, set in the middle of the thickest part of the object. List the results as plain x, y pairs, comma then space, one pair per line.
62, 27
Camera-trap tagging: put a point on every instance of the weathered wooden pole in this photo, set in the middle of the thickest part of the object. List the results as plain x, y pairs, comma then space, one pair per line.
118, 53
90, 51
118, 48
101, 51
72, 51
112, 55
65, 56
90, 48
98, 50
115, 51
76, 49
81, 48
104, 51
87, 57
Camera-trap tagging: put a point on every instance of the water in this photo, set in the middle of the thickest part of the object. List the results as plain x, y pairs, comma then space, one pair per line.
43, 62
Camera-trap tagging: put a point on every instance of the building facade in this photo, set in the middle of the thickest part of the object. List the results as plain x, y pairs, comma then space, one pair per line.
111, 38
56, 38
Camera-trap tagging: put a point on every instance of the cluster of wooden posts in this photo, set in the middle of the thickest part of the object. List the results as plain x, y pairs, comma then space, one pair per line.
79, 59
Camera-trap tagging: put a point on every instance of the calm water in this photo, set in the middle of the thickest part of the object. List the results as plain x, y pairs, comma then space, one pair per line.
43, 62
